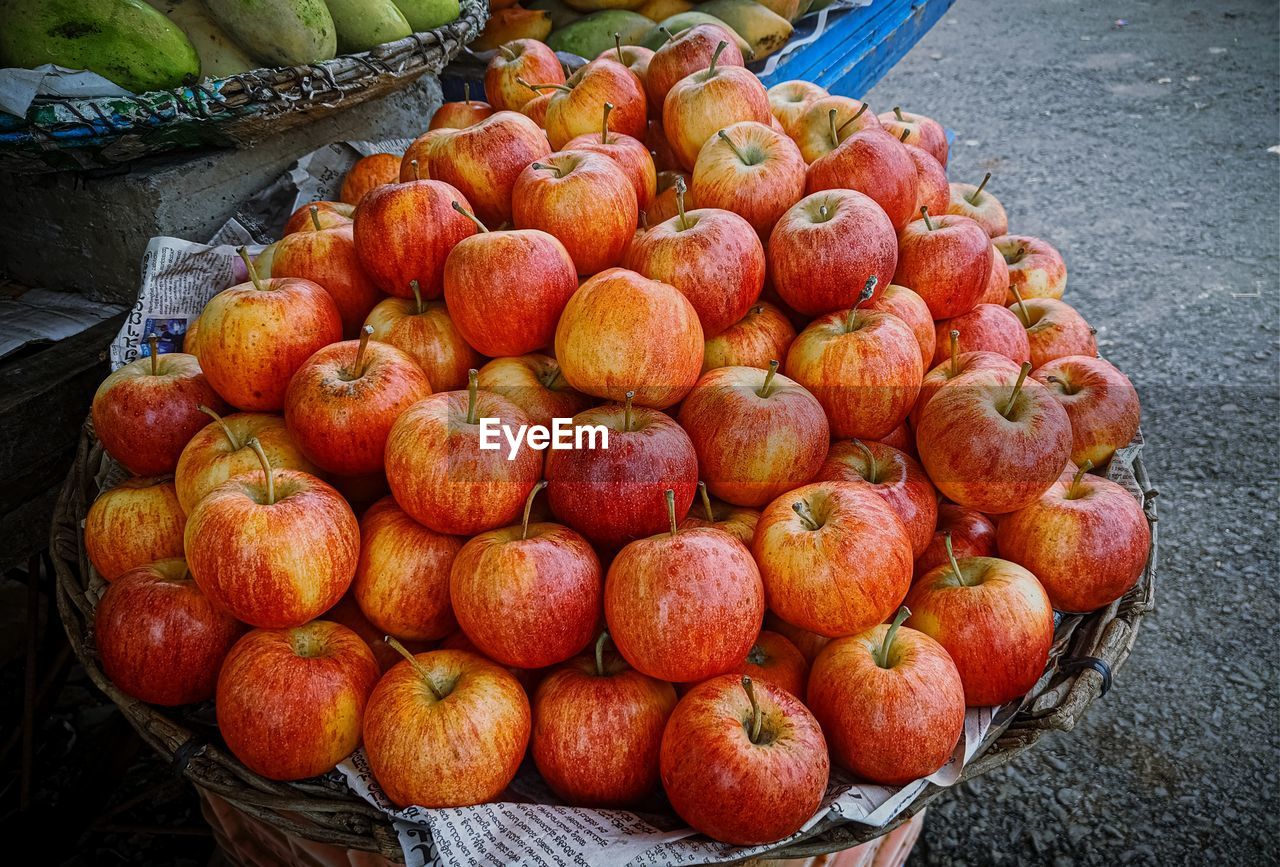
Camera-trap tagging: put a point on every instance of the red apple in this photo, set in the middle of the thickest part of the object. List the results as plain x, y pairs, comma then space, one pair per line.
957, 365
683, 605
584, 200
529, 59
991, 443
159, 638
623, 332
997, 290
892, 475
757, 434
946, 260
1100, 402
484, 160
753, 341
703, 102
402, 578
613, 495
994, 620
528, 595
902, 439
415, 164
275, 549
446, 729
827, 243
862, 366
750, 169
743, 763
460, 115
328, 257
974, 202
712, 256
629, 153
597, 728
664, 207
890, 702
147, 411
445, 476
347, 613
925, 132
875, 163
809, 644
788, 101
1036, 269
1086, 539
834, 557
343, 400
367, 173
575, 105
737, 521
985, 328
424, 332
911, 309
932, 190
826, 122
776, 660
536, 108
534, 383
633, 57
290, 701
404, 232
1054, 330
135, 523
331, 214
221, 451
688, 52
972, 534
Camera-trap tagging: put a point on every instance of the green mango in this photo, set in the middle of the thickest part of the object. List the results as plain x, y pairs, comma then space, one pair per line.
124, 41
278, 32
557, 10
425, 15
362, 24
592, 34
219, 56
682, 21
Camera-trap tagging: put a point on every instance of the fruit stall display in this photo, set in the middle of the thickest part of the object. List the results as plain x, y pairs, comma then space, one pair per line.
865, 472
201, 72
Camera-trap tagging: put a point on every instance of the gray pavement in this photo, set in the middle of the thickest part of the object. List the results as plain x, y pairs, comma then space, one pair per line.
1141, 149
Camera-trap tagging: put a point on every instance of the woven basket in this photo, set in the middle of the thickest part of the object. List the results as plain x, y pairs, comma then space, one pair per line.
235, 111
1088, 649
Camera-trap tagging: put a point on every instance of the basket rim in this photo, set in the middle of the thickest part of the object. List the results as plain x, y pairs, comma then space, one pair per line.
327, 811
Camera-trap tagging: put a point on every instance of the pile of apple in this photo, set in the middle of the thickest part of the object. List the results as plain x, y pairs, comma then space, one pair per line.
901, 491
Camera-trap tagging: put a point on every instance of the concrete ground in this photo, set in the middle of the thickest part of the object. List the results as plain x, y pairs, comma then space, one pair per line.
1142, 139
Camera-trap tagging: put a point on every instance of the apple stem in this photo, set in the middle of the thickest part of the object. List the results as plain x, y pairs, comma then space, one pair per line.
801, 508
457, 206
528, 507
556, 376
617, 46
951, 555
507, 52
706, 502
681, 189
357, 369
1022, 307
973, 197
767, 388
417, 175
236, 445
473, 395
540, 87
873, 469
417, 295
897, 112
417, 666
626, 411
253, 272
604, 123
540, 166
266, 469
1073, 492
924, 215
882, 656
756, 717
903, 138
835, 131
824, 212
315, 218
757, 310
861, 110
671, 511
1017, 387
868, 290
733, 147
153, 347
604, 636
711, 70
520, 80
667, 33
955, 353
